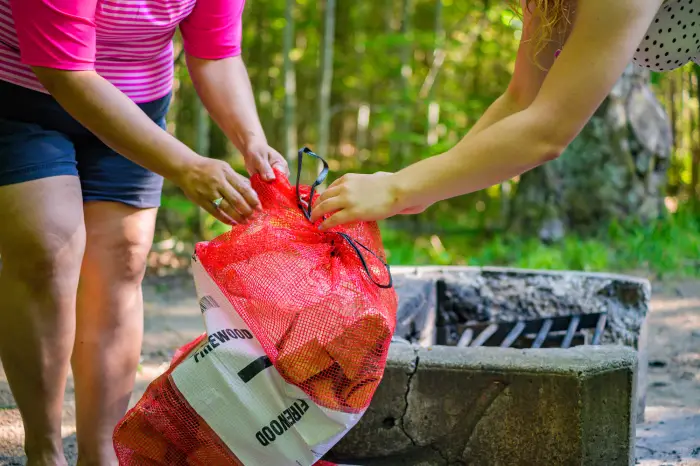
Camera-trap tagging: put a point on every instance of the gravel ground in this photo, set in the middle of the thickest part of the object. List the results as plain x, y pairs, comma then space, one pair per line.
670, 435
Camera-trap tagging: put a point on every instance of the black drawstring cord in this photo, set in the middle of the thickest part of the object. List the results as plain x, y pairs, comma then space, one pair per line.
306, 209
320, 179
354, 244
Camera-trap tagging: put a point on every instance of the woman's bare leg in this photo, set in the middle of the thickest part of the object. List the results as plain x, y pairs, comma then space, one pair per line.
109, 322
42, 237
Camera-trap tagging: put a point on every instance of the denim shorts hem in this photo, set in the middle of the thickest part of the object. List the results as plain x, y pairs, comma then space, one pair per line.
38, 172
39, 139
150, 202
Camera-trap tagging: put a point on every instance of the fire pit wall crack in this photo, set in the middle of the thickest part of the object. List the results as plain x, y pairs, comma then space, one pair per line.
409, 382
401, 424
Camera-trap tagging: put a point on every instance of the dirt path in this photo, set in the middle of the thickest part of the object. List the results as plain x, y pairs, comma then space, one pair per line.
671, 435
172, 319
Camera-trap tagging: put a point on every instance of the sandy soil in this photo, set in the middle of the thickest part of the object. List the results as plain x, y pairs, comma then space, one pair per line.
670, 435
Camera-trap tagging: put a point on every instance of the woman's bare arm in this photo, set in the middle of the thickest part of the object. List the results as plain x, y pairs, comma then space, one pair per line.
224, 87
527, 76
601, 44
120, 123
116, 120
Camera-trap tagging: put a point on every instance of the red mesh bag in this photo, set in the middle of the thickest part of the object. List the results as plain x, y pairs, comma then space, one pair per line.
321, 303
310, 313
162, 429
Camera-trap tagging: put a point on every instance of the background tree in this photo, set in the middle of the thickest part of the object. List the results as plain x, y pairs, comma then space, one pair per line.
615, 169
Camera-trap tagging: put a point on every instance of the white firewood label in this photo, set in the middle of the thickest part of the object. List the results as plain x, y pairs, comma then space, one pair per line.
233, 386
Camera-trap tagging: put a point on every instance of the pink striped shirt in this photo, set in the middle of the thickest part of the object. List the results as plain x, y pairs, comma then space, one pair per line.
128, 42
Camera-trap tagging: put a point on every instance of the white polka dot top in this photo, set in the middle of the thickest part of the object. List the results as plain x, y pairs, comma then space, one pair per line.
673, 39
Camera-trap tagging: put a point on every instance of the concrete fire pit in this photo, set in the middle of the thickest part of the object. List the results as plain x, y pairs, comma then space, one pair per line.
433, 301
449, 405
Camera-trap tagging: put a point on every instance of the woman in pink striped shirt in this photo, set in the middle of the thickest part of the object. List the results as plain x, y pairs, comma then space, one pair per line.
84, 88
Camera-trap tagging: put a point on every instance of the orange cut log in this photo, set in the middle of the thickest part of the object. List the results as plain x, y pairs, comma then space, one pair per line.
354, 348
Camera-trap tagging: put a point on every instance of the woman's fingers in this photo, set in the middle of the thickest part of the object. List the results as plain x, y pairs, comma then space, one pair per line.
339, 218
232, 212
216, 212
413, 210
208, 180
243, 187
279, 162
339, 182
331, 192
326, 207
234, 203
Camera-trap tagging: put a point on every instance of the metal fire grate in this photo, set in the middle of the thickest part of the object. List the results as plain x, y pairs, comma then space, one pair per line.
560, 332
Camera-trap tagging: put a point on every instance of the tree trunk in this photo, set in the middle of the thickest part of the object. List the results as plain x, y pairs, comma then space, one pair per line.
326, 78
400, 149
290, 91
259, 58
695, 146
673, 113
433, 105
615, 169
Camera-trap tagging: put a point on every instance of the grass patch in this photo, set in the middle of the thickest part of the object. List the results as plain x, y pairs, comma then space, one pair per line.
667, 247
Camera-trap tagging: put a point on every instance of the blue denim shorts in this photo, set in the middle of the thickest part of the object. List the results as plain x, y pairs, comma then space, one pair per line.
38, 139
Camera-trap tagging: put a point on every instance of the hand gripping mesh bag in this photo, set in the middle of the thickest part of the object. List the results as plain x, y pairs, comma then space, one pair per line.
298, 325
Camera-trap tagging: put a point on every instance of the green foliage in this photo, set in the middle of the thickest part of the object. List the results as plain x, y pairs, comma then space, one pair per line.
377, 67
667, 247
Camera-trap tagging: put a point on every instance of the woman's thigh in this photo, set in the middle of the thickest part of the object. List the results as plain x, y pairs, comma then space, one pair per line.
41, 212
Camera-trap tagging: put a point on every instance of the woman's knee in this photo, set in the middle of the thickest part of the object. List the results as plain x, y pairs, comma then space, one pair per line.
46, 261
42, 246
128, 257
118, 244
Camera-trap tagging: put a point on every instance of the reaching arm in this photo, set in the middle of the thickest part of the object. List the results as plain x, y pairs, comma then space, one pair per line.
116, 120
57, 38
526, 81
212, 40
120, 124
225, 90
601, 44
224, 87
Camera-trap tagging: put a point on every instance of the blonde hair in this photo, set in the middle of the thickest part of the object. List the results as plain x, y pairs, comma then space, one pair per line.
552, 17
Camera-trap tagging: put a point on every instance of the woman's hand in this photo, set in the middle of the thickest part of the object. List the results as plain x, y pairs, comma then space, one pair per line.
261, 158
355, 198
208, 180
